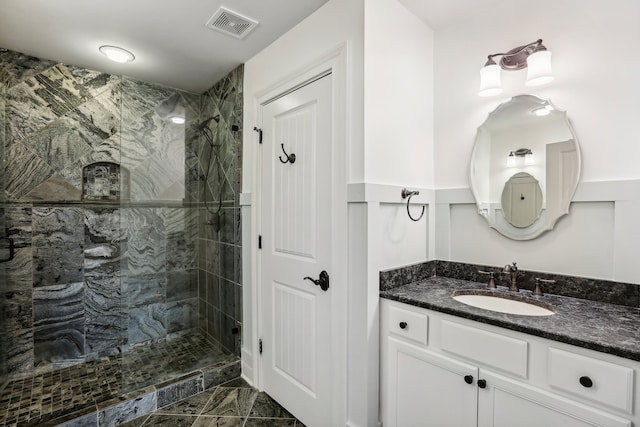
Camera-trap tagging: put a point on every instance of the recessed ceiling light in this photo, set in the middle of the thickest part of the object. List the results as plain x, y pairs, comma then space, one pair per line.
178, 120
117, 54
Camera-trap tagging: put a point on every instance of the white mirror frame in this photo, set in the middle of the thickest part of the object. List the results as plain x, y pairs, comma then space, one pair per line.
554, 206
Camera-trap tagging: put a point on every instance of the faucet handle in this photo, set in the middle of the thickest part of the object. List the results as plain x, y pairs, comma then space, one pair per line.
510, 268
492, 276
538, 291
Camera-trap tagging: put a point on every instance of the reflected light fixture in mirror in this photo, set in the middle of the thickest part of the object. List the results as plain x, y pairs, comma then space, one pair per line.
520, 157
533, 56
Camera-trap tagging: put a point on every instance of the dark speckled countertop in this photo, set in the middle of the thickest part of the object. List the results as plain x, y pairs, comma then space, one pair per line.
609, 328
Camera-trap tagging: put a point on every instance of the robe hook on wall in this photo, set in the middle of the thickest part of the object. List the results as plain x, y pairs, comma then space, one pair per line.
408, 194
291, 158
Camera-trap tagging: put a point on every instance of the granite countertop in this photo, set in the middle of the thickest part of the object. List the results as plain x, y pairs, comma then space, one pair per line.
609, 328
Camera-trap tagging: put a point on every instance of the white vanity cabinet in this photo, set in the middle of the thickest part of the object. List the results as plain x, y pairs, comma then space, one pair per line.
426, 386
440, 370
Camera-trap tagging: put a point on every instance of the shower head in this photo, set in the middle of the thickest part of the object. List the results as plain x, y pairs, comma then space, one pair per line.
201, 126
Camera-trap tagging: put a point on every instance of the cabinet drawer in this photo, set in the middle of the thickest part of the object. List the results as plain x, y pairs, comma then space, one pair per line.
591, 379
495, 350
408, 324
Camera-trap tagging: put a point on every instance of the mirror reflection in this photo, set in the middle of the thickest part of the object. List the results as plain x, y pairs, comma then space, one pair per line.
521, 200
524, 167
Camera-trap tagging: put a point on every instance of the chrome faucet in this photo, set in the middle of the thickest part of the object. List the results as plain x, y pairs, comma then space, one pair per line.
513, 271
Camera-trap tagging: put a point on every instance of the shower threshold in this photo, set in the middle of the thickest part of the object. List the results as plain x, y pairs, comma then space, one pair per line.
115, 389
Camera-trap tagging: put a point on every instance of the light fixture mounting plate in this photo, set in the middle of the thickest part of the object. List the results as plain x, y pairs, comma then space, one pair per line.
516, 58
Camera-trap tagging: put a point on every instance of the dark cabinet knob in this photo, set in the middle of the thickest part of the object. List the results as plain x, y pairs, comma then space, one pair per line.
403, 325
586, 382
482, 383
468, 379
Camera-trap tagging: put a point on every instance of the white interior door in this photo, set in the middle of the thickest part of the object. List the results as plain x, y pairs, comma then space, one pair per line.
562, 170
296, 243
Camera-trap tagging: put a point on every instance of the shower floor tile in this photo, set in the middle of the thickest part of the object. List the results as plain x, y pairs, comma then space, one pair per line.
44, 397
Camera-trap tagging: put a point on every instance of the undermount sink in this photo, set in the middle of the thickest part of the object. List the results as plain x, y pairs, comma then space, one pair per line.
504, 303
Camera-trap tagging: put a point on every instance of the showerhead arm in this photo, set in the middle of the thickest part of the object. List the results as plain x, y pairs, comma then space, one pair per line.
204, 129
201, 126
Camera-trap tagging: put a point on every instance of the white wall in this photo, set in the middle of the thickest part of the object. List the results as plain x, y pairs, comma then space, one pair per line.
337, 22
596, 79
398, 125
398, 106
598, 92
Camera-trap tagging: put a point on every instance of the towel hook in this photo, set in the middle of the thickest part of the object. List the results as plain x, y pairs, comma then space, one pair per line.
408, 194
291, 158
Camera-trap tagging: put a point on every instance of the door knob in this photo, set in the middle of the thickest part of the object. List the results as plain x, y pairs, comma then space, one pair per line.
322, 281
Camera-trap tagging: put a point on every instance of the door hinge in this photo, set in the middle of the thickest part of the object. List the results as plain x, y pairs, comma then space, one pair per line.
260, 346
259, 242
259, 134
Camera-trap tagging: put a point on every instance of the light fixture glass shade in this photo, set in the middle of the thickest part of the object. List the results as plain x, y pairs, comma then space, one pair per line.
116, 54
539, 68
490, 84
529, 160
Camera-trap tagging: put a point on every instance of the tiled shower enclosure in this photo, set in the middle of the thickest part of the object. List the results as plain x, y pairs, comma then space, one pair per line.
125, 226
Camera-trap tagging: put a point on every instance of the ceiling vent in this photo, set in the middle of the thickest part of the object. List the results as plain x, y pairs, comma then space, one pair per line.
231, 23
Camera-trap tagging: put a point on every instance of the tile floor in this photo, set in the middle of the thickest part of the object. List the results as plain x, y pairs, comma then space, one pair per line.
44, 397
232, 404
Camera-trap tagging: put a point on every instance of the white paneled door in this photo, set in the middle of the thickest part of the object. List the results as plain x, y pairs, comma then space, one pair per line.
296, 244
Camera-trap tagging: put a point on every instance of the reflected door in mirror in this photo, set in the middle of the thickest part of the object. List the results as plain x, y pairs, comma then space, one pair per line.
521, 200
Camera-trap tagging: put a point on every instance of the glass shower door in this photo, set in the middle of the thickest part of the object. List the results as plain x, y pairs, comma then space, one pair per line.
6, 245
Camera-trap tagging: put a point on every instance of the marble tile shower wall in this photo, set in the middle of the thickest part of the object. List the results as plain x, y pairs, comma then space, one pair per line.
3, 315
220, 290
93, 278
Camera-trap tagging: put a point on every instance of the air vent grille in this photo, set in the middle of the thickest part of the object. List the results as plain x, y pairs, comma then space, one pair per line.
231, 23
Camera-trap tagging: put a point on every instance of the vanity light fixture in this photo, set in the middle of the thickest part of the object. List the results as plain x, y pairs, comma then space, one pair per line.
533, 56
116, 54
519, 157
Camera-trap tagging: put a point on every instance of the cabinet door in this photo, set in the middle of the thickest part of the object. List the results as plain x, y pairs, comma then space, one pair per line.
426, 390
507, 403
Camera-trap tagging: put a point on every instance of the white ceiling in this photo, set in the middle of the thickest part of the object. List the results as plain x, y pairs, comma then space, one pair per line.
439, 14
169, 38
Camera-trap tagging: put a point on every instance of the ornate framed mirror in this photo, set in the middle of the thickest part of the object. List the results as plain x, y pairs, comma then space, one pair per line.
525, 167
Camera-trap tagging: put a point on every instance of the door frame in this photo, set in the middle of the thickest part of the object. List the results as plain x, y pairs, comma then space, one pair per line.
335, 63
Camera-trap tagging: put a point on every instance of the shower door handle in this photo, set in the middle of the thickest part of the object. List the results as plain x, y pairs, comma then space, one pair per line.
11, 249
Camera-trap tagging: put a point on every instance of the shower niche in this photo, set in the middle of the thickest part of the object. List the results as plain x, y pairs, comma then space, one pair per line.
105, 181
